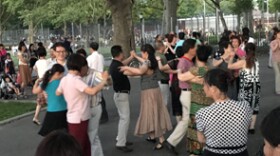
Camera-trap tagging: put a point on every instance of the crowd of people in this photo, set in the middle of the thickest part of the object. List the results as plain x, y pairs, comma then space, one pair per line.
215, 96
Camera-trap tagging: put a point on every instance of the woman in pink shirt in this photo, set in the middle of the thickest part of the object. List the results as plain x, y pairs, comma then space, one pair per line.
75, 92
3, 54
236, 42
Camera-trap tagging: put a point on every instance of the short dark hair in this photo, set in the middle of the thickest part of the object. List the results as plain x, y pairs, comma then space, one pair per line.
82, 52
59, 143
181, 35
219, 78
59, 44
94, 45
179, 51
116, 50
76, 62
203, 52
188, 44
1, 45
196, 35
40, 44
246, 31
237, 38
41, 52
270, 127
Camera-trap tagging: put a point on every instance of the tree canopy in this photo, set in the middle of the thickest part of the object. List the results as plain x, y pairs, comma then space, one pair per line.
58, 14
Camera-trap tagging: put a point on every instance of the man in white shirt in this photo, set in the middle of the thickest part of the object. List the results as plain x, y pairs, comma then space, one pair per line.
96, 61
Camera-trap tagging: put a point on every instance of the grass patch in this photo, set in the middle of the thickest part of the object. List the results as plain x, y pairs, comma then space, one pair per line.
12, 109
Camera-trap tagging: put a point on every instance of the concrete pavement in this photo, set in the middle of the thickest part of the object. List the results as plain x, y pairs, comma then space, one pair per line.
20, 137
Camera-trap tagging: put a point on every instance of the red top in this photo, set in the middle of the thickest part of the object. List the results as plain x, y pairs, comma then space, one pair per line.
3, 52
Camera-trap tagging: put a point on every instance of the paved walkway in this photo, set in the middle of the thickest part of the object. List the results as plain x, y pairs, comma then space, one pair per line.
20, 137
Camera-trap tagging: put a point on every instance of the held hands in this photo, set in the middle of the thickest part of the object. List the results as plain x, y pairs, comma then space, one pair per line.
133, 54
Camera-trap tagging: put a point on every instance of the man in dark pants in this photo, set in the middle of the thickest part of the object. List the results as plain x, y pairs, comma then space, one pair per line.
104, 115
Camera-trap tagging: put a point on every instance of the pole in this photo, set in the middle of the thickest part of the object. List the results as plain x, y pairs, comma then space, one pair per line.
262, 16
171, 24
217, 23
48, 33
267, 4
73, 36
204, 16
277, 19
81, 33
42, 31
72, 27
98, 27
143, 30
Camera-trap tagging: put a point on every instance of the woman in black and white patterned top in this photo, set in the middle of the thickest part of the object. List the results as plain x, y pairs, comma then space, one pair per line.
249, 87
223, 126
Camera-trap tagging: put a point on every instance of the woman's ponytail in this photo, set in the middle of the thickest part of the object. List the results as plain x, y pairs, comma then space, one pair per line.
48, 75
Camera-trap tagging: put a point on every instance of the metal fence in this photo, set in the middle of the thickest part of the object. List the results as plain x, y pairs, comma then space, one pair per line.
144, 30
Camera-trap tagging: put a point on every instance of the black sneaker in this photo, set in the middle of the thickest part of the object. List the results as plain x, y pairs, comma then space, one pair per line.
170, 147
124, 149
128, 143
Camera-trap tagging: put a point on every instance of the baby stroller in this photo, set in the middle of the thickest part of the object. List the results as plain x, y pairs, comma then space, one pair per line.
8, 88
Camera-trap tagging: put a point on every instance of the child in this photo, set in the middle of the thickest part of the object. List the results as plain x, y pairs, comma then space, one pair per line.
56, 111
75, 92
9, 66
40, 67
11, 86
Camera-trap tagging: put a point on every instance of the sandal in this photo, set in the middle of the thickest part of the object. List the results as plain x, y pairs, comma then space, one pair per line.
159, 146
149, 139
37, 122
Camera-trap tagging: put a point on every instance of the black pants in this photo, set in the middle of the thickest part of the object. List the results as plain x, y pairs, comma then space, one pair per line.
104, 115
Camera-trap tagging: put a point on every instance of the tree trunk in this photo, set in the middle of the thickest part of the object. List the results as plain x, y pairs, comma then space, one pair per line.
277, 20
122, 24
191, 23
1, 33
197, 23
31, 32
250, 20
163, 23
170, 14
238, 22
64, 29
218, 9
104, 27
245, 19
204, 25
223, 20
